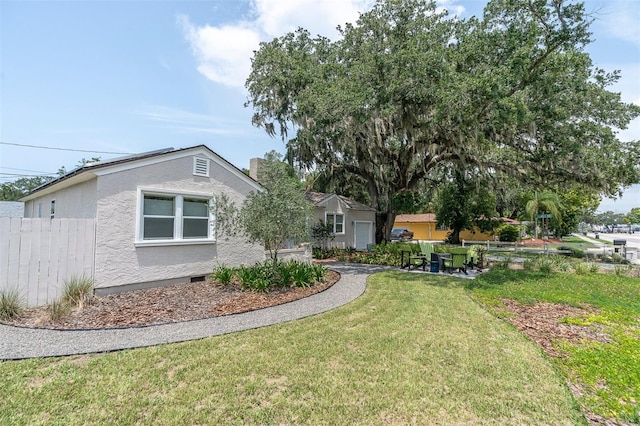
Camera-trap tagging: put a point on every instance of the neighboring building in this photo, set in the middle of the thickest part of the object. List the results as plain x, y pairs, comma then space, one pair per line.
353, 222
153, 215
424, 227
11, 209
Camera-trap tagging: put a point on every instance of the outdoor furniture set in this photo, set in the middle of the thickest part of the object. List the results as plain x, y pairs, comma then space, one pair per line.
456, 259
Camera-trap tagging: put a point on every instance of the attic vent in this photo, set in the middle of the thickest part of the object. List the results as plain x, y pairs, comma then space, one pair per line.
201, 166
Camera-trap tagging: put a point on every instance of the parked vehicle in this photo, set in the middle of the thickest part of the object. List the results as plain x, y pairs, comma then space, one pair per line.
401, 234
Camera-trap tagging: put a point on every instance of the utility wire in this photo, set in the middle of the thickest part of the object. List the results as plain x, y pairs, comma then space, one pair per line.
65, 149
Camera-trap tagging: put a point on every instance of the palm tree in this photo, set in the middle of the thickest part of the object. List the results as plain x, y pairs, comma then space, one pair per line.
546, 201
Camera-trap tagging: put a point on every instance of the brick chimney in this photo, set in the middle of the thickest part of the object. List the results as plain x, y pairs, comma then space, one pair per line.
254, 168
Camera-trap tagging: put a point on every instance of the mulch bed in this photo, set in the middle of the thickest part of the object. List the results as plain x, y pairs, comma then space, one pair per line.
175, 303
541, 322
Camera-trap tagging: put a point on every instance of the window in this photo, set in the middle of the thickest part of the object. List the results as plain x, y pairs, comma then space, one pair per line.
201, 166
337, 220
175, 218
53, 209
159, 217
195, 218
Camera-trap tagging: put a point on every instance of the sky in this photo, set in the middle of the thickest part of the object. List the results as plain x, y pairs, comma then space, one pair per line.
106, 78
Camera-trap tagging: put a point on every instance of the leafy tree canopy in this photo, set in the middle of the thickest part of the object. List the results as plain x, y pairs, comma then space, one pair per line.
272, 217
463, 203
408, 90
13, 191
633, 217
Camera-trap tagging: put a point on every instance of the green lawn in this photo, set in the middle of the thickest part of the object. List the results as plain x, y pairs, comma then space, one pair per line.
414, 349
607, 374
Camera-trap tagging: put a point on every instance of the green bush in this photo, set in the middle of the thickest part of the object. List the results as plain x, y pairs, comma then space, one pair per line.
10, 304
223, 274
320, 253
78, 290
574, 251
508, 233
264, 276
581, 268
58, 309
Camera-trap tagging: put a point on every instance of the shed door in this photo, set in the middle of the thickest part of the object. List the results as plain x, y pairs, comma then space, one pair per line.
363, 235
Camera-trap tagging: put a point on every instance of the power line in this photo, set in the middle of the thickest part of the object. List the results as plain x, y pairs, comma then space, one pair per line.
65, 149
27, 170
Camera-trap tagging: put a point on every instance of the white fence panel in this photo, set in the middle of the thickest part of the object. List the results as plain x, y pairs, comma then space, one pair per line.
38, 255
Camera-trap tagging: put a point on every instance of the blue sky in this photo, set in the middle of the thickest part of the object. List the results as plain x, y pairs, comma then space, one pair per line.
133, 76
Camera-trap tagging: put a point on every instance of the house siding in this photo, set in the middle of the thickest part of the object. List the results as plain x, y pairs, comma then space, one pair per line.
336, 205
77, 202
118, 260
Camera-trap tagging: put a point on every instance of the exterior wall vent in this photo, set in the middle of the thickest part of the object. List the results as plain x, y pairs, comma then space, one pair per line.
201, 166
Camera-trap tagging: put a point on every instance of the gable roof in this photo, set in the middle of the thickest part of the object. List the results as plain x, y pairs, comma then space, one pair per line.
319, 199
92, 170
416, 218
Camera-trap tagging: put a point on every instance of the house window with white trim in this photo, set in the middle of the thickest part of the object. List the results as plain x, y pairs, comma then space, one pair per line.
175, 218
337, 221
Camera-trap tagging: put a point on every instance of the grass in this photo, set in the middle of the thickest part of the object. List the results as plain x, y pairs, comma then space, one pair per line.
10, 304
414, 349
78, 290
607, 374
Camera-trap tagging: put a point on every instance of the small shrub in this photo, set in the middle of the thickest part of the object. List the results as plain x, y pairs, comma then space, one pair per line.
581, 268
545, 265
573, 251
319, 253
503, 263
619, 270
319, 272
78, 290
223, 274
616, 258
258, 277
529, 265
508, 233
593, 267
10, 304
58, 309
301, 275
558, 263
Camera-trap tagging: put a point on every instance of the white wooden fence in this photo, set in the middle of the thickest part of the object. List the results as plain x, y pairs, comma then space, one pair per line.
38, 255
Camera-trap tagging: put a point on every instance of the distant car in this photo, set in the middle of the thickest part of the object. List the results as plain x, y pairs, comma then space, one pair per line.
401, 234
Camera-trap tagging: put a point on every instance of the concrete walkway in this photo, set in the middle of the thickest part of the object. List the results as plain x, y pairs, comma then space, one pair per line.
20, 343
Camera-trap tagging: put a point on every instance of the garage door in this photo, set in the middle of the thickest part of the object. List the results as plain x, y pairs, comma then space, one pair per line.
363, 235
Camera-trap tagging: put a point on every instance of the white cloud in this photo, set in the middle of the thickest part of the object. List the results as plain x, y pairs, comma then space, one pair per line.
224, 52
275, 17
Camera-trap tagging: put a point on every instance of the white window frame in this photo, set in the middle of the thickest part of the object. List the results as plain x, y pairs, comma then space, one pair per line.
334, 222
179, 197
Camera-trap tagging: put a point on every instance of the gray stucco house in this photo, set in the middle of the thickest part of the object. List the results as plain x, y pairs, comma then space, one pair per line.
153, 216
353, 222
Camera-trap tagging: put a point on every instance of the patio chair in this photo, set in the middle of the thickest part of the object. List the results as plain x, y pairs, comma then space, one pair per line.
457, 261
421, 259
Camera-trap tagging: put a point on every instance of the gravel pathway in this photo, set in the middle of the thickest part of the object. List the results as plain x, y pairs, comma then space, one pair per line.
20, 343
